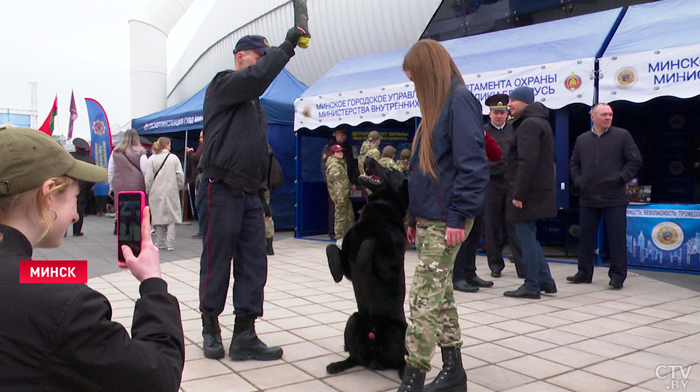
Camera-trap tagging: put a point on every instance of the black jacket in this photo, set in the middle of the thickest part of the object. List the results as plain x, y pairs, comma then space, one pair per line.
59, 337
503, 138
463, 171
235, 129
530, 166
601, 166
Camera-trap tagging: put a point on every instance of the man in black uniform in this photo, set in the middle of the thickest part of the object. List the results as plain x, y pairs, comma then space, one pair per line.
234, 167
82, 153
340, 136
495, 200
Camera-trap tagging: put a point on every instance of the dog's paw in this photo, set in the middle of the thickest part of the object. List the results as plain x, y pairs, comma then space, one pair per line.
337, 367
334, 262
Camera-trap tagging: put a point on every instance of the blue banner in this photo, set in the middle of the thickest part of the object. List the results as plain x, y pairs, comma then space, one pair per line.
101, 136
664, 236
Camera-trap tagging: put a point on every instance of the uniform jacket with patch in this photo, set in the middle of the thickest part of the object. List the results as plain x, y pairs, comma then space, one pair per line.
235, 129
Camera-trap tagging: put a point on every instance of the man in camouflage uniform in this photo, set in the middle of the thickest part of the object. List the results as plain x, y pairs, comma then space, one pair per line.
404, 159
269, 228
370, 147
339, 188
388, 159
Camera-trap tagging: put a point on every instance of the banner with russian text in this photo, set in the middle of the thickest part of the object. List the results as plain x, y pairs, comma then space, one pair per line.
639, 77
101, 136
664, 236
556, 85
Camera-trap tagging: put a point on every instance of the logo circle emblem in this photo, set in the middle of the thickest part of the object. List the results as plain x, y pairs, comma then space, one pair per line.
99, 127
572, 82
667, 236
306, 112
626, 77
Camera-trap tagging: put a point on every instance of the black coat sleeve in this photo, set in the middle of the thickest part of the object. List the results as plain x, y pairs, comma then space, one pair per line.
575, 166
528, 136
102, 352
632, 159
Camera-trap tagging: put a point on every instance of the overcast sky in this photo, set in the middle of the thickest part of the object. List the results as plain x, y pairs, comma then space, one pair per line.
75, 44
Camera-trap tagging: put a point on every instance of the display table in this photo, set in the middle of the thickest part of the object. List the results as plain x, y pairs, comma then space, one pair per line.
664, 236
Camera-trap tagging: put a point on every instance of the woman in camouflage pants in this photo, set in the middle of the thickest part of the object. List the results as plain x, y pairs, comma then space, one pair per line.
448, 175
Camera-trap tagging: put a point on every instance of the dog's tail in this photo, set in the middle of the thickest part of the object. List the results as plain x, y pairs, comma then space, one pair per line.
337, 367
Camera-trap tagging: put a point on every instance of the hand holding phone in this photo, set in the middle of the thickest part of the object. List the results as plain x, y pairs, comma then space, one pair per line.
130, 205
147, 264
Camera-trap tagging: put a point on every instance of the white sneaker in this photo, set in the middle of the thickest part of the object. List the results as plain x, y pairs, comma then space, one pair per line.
171, 248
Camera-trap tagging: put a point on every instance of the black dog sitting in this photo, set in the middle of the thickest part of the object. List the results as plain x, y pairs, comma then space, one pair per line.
372, 257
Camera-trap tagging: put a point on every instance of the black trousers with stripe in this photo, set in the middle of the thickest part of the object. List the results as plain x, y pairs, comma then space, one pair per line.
233, 228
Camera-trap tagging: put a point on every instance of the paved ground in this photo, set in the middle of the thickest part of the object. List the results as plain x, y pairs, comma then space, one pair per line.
585, 338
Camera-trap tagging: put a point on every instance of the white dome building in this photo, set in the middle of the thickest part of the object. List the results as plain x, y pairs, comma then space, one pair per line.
339, 30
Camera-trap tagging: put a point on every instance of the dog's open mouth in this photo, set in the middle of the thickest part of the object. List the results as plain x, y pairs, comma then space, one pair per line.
375, 179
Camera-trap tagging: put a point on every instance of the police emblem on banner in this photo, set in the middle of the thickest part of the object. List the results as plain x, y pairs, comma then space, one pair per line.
99, 127
667, 236
573, 82
626, 77
306, 112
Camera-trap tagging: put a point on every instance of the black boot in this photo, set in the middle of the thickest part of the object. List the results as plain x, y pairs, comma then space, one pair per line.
211, 331
246, 345
115, 228
452, 377
270, 251
413, 380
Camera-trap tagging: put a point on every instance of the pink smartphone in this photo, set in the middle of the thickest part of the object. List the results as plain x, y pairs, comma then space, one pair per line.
129, 216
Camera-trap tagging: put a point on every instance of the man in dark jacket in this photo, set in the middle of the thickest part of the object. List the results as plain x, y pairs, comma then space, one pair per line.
234, 167
496, 199
530, 170
82, 153
340, 136
603, 161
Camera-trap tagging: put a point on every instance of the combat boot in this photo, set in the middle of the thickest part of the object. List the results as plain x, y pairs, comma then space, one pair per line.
246, 345
452, 377
269, 250
413, 380
211, 331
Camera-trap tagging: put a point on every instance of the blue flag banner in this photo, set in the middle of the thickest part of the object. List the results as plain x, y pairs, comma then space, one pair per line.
101, 136
664, 236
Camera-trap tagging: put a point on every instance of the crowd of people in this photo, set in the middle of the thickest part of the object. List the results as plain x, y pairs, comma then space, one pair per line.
464, 179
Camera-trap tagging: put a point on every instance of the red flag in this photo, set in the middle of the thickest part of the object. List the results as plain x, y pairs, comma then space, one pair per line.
48, 125
73, 115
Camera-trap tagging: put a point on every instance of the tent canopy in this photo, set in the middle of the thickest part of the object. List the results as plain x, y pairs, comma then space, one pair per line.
543, 56
187, 115
653, 53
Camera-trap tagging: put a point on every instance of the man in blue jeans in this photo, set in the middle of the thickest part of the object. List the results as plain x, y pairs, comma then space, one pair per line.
530, 171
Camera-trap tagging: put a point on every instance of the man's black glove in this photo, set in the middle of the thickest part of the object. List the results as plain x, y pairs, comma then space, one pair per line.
293, 36
267, 209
